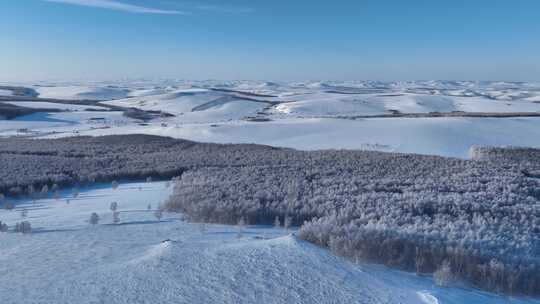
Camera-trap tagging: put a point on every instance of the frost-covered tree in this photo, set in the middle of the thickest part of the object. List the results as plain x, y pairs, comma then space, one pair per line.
94, 219
158, 214
45, 191
444, 276
56, 195
202, 227
3, 227
8, 206
114, 184
113, 206
240, 226
116, 217
2, 198
149, 179
31, 191
24, 213
23, 227
287, 222
75, 192
277, 223
149, 207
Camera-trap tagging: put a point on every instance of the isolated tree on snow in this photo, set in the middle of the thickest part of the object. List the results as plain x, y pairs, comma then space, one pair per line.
75, 192
23, 227
444, 276
149, 207
240, 226
94, 219
45, 191
114, 185
8, 206
24, 213
287, 222
3, 227
114, 206
277, 223
158, 214
202, 227
149, 179
56, 192
32, 193
116, 217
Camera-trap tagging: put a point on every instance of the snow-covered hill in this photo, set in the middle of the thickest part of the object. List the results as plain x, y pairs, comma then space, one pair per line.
143, 260
429, 117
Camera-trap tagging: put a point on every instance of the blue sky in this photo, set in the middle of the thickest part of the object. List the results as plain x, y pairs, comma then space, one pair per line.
270, 39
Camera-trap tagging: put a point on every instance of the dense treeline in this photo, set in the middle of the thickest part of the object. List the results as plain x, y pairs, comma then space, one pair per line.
78, 160
480, 219
477, 220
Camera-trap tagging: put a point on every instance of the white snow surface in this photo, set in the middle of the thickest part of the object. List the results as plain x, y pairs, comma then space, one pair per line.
54, 105
76, 92
6, 92
143, 260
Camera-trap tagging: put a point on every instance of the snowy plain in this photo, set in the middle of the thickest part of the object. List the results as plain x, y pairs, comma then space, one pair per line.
145, 260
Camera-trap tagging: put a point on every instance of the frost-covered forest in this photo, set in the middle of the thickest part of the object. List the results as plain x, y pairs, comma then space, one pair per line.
80, 160
475, 220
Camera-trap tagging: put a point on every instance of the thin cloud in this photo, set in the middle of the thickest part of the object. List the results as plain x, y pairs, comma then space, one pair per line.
119, 6
225, 9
